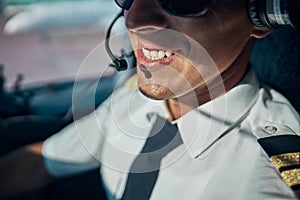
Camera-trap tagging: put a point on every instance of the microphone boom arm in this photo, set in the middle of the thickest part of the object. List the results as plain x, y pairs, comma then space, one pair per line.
119, 63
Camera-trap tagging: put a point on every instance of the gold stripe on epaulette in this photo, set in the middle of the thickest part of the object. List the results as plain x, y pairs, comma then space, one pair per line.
291, 177
285, 160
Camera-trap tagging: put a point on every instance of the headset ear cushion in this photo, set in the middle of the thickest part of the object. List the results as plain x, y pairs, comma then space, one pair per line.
254, 10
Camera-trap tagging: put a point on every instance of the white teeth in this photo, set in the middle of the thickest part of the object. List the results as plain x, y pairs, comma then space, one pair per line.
168, 53
146, 53
161, 54
155, 55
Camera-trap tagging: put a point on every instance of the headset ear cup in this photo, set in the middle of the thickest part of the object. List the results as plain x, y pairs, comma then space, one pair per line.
274, 14
294, 7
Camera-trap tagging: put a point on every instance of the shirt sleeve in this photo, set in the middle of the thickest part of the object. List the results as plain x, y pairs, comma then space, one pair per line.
73, 149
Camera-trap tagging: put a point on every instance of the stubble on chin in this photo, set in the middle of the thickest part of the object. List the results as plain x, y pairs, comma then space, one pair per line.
156, 91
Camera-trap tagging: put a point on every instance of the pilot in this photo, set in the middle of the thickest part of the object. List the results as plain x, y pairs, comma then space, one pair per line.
190, 128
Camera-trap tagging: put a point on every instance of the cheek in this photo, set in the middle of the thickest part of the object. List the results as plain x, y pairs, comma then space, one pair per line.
133, 41
191, 75
225, 45
222, 35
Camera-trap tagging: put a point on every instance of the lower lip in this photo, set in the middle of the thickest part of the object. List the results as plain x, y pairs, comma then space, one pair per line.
152, 65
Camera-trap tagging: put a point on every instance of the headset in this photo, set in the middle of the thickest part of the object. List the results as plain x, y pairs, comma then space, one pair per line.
274, 14
119, 63
269, 14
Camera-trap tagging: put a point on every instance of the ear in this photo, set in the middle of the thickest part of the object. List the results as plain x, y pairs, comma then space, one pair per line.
257, 32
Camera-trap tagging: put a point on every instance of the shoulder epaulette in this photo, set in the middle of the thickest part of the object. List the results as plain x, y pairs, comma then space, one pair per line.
284, 152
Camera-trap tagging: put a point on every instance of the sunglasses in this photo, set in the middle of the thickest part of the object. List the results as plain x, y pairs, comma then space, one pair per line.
181, 8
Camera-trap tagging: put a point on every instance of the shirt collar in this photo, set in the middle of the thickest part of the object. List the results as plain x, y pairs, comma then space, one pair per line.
202, 126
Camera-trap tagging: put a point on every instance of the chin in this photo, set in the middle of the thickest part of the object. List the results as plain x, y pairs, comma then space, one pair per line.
156, 92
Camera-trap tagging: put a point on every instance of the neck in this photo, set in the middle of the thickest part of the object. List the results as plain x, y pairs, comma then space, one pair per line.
229, 78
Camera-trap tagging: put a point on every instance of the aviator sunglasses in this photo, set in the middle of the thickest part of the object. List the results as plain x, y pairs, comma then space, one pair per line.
181, 8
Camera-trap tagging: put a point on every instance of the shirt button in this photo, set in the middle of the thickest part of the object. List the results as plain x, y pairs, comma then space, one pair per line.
270, 129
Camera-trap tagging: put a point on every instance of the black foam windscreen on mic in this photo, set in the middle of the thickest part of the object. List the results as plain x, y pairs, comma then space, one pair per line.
274, 13
119, 63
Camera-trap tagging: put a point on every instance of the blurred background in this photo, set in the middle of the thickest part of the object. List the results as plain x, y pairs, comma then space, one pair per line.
47, 40
42, 46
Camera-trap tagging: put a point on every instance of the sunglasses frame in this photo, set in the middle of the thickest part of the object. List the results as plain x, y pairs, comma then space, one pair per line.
128, 3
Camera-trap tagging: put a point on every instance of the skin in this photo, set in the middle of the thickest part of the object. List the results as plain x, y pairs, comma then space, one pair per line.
224, 31
23, 170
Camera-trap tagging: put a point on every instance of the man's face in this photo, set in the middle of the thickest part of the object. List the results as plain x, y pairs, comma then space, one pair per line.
163, 46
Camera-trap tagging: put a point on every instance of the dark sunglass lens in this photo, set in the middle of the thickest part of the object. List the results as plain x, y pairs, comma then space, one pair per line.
183, 7
125, 4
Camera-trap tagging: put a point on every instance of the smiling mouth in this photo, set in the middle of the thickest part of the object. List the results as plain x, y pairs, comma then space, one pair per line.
154, 59
156, 54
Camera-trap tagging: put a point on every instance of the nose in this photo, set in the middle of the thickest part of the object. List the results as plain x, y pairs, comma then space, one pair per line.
145, 14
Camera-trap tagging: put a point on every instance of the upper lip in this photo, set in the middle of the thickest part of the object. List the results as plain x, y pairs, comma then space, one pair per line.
162, 39
151, 46
146, 44
176, 47
158, 40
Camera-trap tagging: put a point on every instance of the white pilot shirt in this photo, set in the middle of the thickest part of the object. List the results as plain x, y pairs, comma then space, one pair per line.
219, 158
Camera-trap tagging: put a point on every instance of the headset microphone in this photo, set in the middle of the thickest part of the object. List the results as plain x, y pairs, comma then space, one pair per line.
119, 63
274, 13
